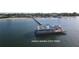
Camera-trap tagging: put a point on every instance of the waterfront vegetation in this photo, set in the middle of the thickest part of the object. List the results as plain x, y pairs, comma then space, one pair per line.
28, 15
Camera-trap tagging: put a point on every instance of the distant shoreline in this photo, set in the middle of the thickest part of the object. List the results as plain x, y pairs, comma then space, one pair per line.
37, 15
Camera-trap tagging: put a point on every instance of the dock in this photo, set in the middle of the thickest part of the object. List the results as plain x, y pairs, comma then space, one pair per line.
47, 29
36, 21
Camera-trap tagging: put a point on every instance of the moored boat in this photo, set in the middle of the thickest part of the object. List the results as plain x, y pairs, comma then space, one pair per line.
47, 29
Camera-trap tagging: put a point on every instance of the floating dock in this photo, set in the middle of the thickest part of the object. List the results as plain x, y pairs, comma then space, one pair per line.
48, 29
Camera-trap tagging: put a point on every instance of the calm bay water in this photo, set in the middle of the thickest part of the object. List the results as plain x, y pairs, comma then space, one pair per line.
19, 32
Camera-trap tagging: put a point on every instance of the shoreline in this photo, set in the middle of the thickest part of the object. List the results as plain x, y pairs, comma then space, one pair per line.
37, 17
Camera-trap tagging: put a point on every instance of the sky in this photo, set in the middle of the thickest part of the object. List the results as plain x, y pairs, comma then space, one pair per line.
38, 6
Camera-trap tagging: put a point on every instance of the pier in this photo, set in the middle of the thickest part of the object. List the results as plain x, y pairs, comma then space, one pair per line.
36, 21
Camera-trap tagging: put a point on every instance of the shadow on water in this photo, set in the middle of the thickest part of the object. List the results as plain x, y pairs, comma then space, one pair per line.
48, 36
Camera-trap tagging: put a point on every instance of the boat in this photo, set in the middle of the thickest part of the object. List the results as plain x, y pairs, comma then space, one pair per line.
48, 29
